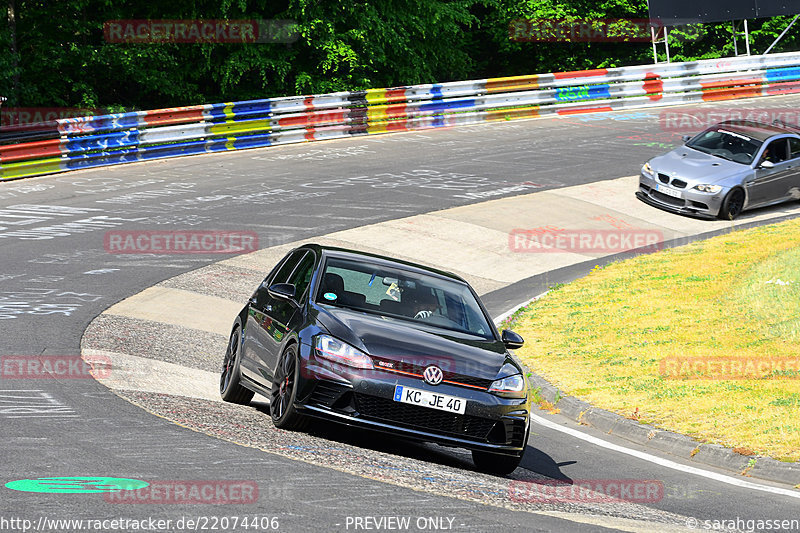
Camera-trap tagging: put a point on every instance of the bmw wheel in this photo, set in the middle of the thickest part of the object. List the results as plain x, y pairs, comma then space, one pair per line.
732, 205
229, 387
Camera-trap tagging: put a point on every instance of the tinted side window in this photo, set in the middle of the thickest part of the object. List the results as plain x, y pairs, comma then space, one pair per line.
288, 267
794, 147
301, 276
776, 151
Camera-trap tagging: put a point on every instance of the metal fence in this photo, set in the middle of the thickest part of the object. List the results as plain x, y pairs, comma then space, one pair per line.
75, 143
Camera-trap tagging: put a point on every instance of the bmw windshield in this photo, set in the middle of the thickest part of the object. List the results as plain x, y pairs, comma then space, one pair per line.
402, 294
726, 144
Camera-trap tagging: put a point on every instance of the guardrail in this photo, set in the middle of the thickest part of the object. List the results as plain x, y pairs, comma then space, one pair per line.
75, 143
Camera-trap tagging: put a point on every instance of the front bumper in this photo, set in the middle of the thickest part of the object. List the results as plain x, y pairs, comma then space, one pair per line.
366, 399
692, 203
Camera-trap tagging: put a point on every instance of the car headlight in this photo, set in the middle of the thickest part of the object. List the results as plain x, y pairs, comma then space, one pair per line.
647, 170
708, 188
340, 352
512, 386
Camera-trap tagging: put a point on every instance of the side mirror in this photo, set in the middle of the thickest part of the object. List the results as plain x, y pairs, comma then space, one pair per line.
512, 340
686, 138
281, 291
766, 164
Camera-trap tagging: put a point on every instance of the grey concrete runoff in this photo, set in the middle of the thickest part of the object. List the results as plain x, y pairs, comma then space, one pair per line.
479, 240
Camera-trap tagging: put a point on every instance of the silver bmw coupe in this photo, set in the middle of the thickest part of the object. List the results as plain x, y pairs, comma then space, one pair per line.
729, 168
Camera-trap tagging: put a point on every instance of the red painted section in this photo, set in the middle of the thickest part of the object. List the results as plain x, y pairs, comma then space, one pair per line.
585, 110
653, 86
177, 115
310, 134
732, 83
580, 73
33, 150
788, 87
313, 119
396, 125
713, 95
395, 95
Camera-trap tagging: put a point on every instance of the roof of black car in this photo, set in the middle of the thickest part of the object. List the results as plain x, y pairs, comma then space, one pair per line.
355, 254
757, 130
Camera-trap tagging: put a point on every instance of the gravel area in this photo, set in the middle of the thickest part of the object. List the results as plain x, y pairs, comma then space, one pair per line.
163, 342
223, 281
422, 467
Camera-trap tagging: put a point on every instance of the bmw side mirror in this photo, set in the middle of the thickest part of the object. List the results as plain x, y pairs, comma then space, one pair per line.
686, 138
512, 340
281, 291
766, 164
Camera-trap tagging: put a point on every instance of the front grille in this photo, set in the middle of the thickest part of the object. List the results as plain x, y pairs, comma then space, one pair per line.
663, 178
416, 417
661, 197
400, 366
679, 184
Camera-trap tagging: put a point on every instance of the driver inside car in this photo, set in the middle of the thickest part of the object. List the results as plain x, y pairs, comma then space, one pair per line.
423, 303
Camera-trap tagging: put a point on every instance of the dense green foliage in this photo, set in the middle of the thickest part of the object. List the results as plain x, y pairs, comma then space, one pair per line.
56, 54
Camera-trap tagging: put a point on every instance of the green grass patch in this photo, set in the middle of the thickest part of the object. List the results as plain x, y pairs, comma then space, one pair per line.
605, 338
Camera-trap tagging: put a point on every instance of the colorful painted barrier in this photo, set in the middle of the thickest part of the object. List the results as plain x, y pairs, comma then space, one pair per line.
83, 142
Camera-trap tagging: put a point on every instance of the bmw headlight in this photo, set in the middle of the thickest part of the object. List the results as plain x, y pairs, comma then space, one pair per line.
647, 170
708, 188
340, 352
510, 386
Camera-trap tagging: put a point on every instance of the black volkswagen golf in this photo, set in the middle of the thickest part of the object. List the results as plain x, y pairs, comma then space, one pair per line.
383, 344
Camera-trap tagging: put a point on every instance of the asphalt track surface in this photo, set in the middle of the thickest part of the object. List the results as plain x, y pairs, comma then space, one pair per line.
56, 278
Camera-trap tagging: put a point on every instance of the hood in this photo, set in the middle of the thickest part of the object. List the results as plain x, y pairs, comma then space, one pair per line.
696, 167
390, 340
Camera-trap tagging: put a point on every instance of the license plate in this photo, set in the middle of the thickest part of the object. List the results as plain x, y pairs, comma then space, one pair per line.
442, 402
668, 191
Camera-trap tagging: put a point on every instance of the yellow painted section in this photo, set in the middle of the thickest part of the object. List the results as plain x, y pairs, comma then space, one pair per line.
512, 83
377, 112
32, 168
376, 96
234, 128
511, 114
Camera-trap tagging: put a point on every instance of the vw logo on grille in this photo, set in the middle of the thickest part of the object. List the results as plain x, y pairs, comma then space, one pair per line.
433, 375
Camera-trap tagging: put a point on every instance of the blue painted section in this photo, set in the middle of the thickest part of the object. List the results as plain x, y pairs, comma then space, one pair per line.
253, 141
119, 139
582, 92
102, 159
443, 106
436, 91
172, 150
782, 74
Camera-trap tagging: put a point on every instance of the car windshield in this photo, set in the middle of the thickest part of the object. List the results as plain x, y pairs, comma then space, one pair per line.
402, 294
726, 144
